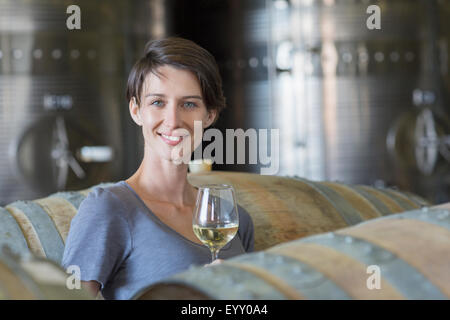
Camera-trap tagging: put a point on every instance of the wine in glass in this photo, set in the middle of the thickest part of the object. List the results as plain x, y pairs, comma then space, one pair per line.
216, 219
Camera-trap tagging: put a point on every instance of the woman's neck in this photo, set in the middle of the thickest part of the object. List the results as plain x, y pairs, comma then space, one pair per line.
163, 181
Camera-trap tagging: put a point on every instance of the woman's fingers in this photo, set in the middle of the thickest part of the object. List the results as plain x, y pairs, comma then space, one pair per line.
217, 261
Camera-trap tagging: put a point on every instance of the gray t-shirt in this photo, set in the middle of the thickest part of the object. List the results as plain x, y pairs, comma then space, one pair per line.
116, 240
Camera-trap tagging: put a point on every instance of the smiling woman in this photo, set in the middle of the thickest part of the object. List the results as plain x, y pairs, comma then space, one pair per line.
139, 231
171, 102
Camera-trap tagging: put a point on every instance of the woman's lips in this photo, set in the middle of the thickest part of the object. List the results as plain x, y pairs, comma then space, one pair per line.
171, 140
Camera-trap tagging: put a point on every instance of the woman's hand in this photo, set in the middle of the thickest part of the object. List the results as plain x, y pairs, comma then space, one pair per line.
217, 261
93, 287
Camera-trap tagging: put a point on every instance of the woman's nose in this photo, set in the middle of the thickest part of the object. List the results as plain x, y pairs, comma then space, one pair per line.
172, 116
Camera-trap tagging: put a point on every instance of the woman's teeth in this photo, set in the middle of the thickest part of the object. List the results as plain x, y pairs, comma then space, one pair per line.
171, 138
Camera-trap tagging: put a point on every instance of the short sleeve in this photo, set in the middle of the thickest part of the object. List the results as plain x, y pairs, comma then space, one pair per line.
99, 238
246, 230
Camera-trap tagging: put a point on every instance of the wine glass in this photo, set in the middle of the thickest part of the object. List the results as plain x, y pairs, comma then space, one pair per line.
216, 218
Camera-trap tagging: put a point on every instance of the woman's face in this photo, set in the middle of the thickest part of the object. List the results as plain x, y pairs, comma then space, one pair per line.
170, 104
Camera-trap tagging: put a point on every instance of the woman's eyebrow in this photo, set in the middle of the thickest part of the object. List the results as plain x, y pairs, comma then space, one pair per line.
192, 97
163, 95
154, 94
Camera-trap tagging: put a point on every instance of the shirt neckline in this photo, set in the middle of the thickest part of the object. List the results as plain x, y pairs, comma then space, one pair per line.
160, 221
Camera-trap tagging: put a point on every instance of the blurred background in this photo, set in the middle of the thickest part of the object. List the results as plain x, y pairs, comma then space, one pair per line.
352, 105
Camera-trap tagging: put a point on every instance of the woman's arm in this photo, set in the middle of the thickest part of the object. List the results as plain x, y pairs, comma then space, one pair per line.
246, 230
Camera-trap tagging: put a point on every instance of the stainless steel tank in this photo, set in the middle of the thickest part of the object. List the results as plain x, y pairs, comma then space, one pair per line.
339, 87
64, 120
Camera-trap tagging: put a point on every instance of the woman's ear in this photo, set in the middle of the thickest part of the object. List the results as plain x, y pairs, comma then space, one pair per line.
134, 111
210, 118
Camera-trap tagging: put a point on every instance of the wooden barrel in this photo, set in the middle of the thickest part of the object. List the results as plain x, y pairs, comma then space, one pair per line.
410, 252
282, 209
285, 209
40, 226
35, 278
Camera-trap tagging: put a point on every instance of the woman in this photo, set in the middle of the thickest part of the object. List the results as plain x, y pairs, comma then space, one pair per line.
138, 231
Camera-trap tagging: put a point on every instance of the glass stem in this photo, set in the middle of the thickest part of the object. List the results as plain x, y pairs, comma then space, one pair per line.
214, 254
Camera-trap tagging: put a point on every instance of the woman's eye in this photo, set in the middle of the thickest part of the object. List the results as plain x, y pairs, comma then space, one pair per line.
189, 104
157, 103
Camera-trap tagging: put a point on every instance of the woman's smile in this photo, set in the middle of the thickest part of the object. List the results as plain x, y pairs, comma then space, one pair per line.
170, 140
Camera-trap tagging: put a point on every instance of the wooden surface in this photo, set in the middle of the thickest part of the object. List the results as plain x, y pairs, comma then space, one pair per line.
442, 206
411, 251
284, 209
424, 245
35, 278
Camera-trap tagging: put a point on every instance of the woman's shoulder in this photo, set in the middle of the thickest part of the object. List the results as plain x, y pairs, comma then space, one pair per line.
109, 190
111, 198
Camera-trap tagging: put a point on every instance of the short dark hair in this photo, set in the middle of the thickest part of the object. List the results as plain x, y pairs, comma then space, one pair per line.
183, 54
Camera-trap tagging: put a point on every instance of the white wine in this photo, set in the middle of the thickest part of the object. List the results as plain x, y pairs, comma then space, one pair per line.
215, 237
